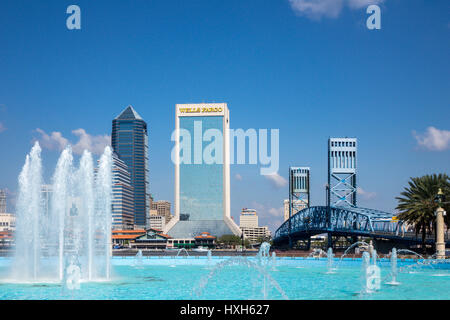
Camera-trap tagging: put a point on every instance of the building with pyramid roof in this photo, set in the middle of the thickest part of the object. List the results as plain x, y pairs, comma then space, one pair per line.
129, 140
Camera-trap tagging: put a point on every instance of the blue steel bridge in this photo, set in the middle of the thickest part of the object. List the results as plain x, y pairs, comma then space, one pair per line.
341, 217
346, 222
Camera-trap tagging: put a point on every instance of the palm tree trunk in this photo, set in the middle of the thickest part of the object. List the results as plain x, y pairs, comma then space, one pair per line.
424, 234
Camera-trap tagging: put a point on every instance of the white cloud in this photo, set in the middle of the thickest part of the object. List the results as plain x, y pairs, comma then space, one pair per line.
277, 180
433, 139
316, 9
56, 141
277, 212
269, 216
238, 177
2, 127
95, 144
366, 195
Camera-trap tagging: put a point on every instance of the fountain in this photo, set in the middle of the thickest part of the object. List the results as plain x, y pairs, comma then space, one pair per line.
181, 250
330, 257
420, 263
374, 257
394, 270
317, 253
138, 261
362, 243
264, 253
274, 261
267, 283
371, 274
76, 230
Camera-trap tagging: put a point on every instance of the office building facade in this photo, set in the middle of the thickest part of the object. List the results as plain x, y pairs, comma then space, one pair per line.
297, 206
129, 140
249, 225
162, 208
202, 186
122, 196
2, 201
248, 218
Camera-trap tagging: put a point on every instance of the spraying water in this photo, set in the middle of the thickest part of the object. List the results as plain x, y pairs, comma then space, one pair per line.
394, 270
75, 233
29, 215
330, 257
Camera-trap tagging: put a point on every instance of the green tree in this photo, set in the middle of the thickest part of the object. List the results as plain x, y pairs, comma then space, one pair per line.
228, 240
417, 204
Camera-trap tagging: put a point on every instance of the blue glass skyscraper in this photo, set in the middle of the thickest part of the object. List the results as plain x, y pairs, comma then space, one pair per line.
129, 140
202, 187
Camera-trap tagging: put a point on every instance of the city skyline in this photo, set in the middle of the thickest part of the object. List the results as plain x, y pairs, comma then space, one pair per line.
310, 78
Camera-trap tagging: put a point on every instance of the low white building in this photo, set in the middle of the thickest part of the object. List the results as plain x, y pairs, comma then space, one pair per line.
157, 222
250, 228
253, 234
7, 222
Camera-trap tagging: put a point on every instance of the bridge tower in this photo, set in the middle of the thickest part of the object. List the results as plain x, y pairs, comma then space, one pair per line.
299, 191
341, 191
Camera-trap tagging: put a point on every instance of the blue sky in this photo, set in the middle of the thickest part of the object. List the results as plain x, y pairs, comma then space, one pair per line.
310, 68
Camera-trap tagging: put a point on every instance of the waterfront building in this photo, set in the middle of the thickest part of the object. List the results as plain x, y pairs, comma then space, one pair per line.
157, 221
298, 205
7, 222
122, 196
202, 177
125, 237
205, 239
250, 227
129, 140
151, 239
256, 234
248, 218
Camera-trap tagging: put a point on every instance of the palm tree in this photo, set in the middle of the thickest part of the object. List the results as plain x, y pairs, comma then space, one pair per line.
417, 202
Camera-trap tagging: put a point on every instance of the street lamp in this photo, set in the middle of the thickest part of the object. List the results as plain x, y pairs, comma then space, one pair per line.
440, 213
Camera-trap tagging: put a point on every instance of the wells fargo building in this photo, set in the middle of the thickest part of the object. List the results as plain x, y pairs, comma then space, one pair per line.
202, 189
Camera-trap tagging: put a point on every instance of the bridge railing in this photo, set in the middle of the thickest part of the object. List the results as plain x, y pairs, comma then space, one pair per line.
338, 219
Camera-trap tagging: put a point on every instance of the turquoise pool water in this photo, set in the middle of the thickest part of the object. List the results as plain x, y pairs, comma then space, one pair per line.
292, 278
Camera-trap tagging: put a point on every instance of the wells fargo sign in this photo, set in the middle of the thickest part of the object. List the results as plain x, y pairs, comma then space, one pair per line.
201, 110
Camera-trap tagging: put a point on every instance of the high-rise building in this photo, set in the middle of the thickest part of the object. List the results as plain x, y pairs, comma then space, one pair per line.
46, 195
129, 141
162, 208
202, 177
297, 205
248, 218
122, 199
2, 201
250, 227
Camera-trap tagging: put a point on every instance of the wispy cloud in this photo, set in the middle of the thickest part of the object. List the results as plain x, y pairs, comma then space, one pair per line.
316, 9
268, 215
95, 144
366, 195
237, 176
433, 139
56, 141
276, 180
2, 127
